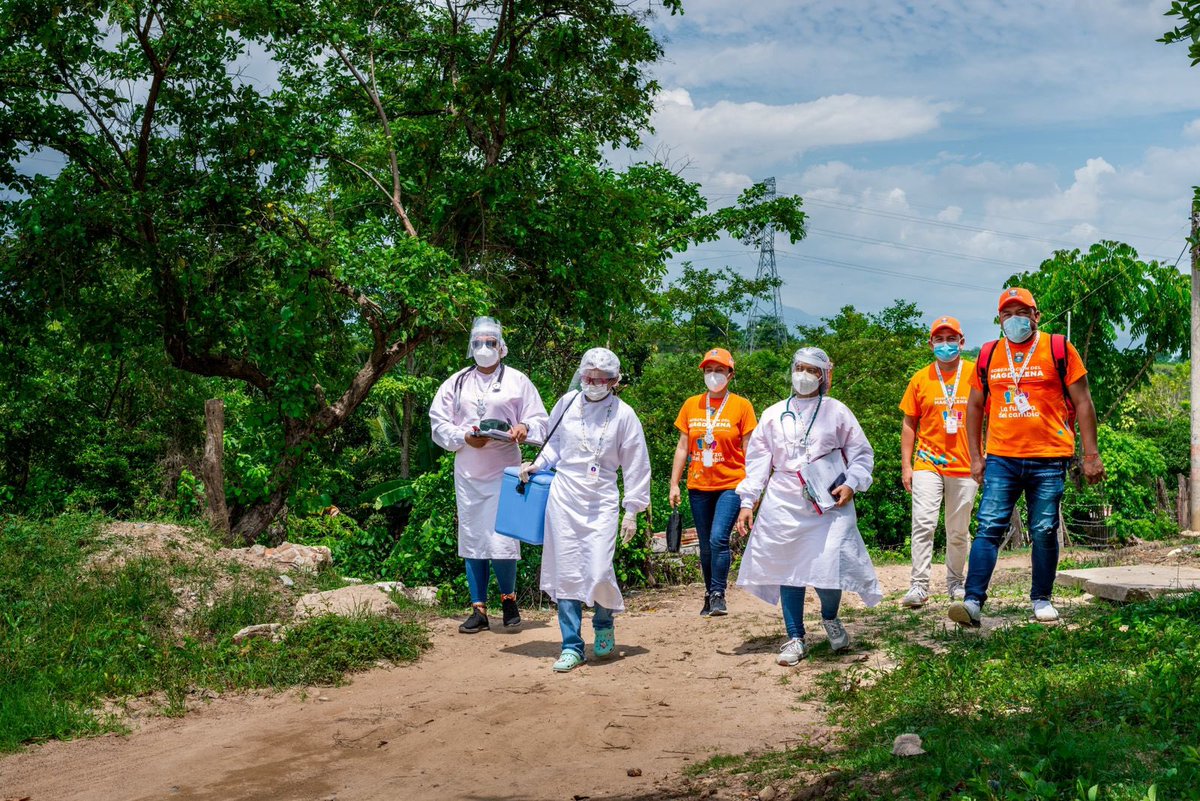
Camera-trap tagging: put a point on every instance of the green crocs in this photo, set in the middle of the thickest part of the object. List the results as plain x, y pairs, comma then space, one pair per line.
606, 641
567, 661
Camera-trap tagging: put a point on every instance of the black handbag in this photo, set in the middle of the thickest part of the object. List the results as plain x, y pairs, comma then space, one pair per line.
674, 532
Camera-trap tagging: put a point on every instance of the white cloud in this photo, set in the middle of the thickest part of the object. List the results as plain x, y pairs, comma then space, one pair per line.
750, 135
1192, 129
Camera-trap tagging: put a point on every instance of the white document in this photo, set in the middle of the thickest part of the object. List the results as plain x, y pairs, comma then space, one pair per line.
822, 476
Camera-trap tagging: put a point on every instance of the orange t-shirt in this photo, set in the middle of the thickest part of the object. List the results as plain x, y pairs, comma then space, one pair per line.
735, 421
945, 454
1042, 431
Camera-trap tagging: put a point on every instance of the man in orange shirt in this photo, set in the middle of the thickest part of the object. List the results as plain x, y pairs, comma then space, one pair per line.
1031, 386
935, 433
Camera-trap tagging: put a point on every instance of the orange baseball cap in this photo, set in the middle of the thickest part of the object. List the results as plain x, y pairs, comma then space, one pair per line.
1017, 295
946, 322
717, 356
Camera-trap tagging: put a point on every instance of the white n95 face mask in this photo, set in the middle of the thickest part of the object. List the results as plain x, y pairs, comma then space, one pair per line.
595, 392
486, 357
715, 381
805, 383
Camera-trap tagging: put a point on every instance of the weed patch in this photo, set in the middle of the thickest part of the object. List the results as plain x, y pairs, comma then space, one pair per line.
1027, 712
74, 634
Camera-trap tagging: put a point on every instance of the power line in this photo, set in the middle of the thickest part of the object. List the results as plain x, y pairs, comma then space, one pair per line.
883, 271
917, 248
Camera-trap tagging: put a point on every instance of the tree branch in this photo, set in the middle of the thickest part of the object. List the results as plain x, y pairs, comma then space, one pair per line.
1133, 382
371, 310
108, 136
387, 129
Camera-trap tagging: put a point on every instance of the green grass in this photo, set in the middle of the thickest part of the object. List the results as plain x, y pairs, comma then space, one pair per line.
1109, 700
75, 635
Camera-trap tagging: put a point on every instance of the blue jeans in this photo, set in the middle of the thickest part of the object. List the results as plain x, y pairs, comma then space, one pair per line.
477, 577
570, 621
715, 512
792, 601
1004, 479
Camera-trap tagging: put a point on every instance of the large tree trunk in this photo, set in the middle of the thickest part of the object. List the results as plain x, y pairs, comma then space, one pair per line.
256, 518
212, 471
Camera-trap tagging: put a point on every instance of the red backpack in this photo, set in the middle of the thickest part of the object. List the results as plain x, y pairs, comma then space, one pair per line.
1058, 350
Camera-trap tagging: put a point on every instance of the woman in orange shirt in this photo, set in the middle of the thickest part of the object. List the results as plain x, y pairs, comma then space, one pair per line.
713, 430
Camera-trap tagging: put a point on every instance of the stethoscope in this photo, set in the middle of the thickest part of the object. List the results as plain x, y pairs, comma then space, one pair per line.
793, 444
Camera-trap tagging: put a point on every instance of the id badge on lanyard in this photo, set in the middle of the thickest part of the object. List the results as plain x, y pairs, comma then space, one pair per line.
950, 418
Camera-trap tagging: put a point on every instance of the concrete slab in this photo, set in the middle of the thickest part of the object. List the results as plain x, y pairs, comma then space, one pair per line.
1132, 582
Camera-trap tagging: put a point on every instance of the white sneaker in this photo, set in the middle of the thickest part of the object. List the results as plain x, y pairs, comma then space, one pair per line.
791, 653
1044, 611
958, 593
839, 638
915, 598
965, 613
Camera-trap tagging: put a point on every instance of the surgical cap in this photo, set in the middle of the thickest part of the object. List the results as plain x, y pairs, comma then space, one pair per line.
815, 357
601, 359
486, 327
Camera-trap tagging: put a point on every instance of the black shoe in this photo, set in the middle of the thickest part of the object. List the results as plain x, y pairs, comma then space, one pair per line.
512, 615
707, 607
476, 623
716, 605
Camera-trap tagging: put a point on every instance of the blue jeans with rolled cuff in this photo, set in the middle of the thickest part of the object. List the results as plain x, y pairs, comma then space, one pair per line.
715, 512
792, 601
1005, 478
477, 577
570, 622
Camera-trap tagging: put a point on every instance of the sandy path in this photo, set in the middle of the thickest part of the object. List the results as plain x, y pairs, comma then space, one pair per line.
479, 717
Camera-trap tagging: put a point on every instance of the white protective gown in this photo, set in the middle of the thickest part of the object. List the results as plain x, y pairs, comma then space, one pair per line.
479, 471
582, 511
790, 543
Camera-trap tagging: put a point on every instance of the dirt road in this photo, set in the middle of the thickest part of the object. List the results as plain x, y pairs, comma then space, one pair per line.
479, 717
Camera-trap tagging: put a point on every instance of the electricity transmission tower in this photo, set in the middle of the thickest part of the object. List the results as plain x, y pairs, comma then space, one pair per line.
776, 333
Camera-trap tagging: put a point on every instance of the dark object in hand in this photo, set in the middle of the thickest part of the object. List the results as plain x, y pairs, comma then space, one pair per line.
837, 482
491, 424
674, 532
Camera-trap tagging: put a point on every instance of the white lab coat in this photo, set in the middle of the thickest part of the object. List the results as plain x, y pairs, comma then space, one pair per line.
582, 511
478, 471
790, 543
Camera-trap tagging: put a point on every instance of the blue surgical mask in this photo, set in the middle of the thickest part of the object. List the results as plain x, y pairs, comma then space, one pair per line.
1017, 329
946, 351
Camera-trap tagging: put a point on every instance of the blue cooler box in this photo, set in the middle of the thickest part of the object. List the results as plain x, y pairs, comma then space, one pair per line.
522, 512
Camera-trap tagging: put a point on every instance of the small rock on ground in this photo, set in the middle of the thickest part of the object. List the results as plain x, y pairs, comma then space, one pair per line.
364, 599
263, 630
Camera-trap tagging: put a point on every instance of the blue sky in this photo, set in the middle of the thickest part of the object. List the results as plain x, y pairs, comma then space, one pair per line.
944, 145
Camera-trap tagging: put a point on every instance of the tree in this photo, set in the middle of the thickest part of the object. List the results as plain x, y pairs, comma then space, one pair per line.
1112, 294
1189, 12
299, 237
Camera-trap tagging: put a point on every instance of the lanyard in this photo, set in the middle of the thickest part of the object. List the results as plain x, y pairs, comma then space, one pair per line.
587, 442
951, 395
710, 419
789, 413
480, 405
1012, 371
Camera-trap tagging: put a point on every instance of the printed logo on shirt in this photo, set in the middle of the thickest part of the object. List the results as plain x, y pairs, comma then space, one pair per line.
702, 424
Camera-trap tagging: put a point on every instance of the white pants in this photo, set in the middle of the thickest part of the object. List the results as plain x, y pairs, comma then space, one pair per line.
928, 490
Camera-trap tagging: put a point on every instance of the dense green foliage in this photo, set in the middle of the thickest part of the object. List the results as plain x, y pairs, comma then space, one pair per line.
75, 632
